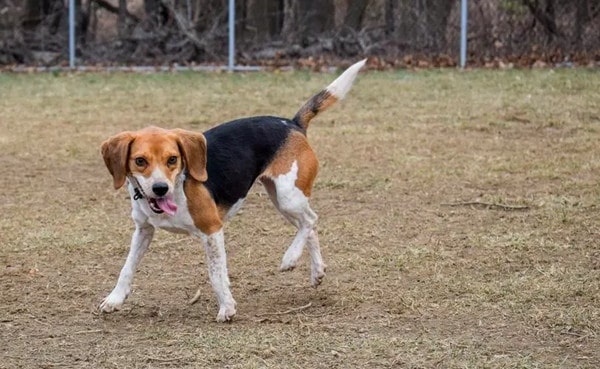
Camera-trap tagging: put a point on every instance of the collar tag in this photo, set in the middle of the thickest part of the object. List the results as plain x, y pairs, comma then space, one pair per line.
138, 195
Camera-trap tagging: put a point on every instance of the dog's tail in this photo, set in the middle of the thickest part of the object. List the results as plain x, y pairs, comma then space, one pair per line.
327, 97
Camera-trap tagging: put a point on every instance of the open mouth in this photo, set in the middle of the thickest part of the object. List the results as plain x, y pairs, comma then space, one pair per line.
154, 206
161, 205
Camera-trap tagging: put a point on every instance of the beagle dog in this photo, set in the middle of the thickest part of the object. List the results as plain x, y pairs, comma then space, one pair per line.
191, 182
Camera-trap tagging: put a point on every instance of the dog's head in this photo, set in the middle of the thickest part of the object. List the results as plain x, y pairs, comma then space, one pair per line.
155, 157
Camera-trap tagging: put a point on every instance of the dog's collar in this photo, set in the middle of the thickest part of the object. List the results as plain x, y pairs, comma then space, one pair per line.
139, 193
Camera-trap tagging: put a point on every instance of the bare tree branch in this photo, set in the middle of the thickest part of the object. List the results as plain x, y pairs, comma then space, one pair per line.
544, 18
114, 9
188, 30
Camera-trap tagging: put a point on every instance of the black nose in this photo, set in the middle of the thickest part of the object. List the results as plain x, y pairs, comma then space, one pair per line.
160, 188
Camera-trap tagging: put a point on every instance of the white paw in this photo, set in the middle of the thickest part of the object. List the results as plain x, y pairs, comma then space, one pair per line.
113, 302
287, 265
226, 313
317, 273
291, 257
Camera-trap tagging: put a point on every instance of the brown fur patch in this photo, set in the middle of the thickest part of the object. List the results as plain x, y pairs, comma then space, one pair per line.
314, 106
193, 149
296, 148
155, 146
202, 207
115, 152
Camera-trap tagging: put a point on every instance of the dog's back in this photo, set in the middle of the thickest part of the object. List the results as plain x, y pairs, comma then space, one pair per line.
239, 151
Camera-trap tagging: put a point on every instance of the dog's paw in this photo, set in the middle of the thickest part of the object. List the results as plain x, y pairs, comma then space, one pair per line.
287, 265
291, 257
113, 302
317, 274
226, 313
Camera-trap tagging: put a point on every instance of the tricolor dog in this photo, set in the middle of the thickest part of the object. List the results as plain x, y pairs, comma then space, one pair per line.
191, 182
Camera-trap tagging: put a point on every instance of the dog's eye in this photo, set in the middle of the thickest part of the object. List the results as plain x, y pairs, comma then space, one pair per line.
172, 160
140, 162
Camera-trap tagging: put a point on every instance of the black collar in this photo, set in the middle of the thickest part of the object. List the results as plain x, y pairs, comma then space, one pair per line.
139, 193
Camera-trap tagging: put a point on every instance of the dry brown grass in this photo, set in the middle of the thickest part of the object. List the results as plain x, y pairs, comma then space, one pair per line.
412, 282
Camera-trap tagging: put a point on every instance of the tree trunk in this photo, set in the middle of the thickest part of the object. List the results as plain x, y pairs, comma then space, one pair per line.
551, 14
156, 13
122, 19
437, 13
389, 17
290, 13
317, 15
33, 13
423, 24
262, 21
305, 19
546, 18
355, 14
37, 12
82, 20
581, 17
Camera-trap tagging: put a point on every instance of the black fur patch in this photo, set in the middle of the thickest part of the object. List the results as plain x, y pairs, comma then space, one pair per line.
239, 151
318, 99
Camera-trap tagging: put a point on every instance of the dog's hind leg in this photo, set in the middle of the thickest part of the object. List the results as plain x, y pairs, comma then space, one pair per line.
293, 204
317, 266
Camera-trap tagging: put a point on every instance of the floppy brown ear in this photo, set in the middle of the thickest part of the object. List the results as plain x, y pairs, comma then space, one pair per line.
115, 152
193, 148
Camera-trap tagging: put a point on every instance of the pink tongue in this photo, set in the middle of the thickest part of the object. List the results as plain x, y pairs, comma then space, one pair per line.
167, 205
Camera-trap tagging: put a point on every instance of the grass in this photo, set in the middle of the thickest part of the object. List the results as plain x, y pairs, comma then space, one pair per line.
412, 282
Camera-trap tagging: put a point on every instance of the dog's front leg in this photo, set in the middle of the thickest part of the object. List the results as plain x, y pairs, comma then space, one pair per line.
214, 246
139, 244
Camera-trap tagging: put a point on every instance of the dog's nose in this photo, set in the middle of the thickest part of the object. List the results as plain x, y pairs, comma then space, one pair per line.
160, 188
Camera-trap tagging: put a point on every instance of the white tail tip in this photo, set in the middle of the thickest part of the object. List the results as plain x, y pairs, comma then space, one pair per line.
340, 87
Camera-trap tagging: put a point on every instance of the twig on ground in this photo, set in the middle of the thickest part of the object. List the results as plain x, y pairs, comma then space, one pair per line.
88, 332
488, 205
196, 297
166, 360
292, 310
67, 334
577, 338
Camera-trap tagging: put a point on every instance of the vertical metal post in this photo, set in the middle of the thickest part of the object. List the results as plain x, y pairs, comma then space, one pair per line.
231, 64
71, 33
463, 33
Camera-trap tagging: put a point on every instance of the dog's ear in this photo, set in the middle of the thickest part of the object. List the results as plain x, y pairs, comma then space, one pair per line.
115, 152
193, 148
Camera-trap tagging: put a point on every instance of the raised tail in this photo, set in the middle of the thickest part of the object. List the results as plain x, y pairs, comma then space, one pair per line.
337, 90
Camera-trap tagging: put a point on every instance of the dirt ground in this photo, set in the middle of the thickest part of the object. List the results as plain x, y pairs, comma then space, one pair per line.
459, 218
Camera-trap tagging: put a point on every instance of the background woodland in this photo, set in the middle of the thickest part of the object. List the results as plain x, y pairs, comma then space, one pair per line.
277, 32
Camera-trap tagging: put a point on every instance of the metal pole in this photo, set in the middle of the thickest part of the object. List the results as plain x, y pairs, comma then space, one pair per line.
231, 64
71, 33
463, 33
